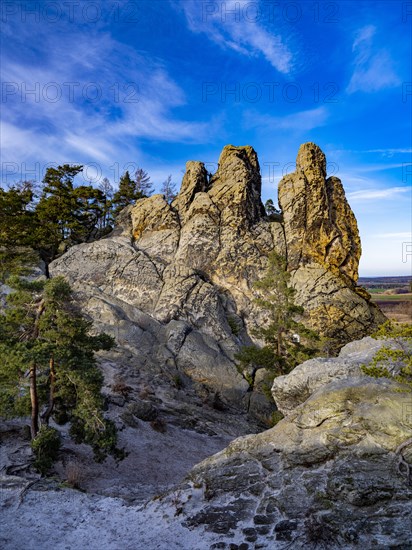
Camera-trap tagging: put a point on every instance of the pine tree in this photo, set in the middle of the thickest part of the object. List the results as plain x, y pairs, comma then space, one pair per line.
18, 225
168, 189
270, 208
90, 206
56, 210
66, 214
127, 193
287, 342
48, 366
143, 184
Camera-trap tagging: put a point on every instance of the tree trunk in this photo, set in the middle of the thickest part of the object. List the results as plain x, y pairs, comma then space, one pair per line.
280, 331
47, 413
34, 402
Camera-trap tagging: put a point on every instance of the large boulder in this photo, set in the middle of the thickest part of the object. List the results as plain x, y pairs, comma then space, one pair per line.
295, 388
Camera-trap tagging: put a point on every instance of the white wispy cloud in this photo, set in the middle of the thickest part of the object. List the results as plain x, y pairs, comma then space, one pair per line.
380, 167
389, 151
373, 66
365, 34
227, 23
378, 194
137, 98
301, 120
362, 178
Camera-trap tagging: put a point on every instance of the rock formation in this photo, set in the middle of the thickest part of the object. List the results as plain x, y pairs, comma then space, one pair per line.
335, 473
294, 389
323, 248
320, 227
174, 283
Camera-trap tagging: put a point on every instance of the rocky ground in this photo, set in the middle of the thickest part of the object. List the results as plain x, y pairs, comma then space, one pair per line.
334, 473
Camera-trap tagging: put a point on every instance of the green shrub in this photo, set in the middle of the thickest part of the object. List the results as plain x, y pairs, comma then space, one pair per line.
276, 417
103, 442
46, 446
388, 357
178, 382
234, 326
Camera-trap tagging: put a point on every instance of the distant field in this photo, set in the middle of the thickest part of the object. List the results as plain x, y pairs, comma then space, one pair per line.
387, 282
382, 290
379, 297
397, 307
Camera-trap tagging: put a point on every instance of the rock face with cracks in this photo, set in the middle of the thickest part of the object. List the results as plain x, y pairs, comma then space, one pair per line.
295, 388
323, 248
174, 282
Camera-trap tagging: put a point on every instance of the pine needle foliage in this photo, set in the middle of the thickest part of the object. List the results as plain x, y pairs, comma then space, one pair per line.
48, 366
287, 341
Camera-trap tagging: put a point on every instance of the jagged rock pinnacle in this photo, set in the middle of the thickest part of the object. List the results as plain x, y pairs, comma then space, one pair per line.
320, 226
176, 285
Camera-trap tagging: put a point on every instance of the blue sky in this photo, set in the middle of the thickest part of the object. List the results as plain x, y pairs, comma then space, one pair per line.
119, 84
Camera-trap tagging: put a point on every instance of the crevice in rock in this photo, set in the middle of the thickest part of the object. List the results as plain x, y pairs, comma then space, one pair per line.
329, 246
141, 251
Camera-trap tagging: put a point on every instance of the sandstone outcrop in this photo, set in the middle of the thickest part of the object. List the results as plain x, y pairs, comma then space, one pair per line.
320, 226
295, 388
335, 473
194, 181
174, 283
323, 248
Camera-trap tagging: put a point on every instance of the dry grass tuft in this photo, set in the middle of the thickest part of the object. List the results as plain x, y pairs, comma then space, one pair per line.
74, 474
159, 425
121, 388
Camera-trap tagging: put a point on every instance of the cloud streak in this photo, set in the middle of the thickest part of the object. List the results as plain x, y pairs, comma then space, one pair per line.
111, 99
388, 152
378, 194
373, 68
228, 24
301, 121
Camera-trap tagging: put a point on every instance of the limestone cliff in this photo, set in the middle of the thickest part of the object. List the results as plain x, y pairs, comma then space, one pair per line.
174, 283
